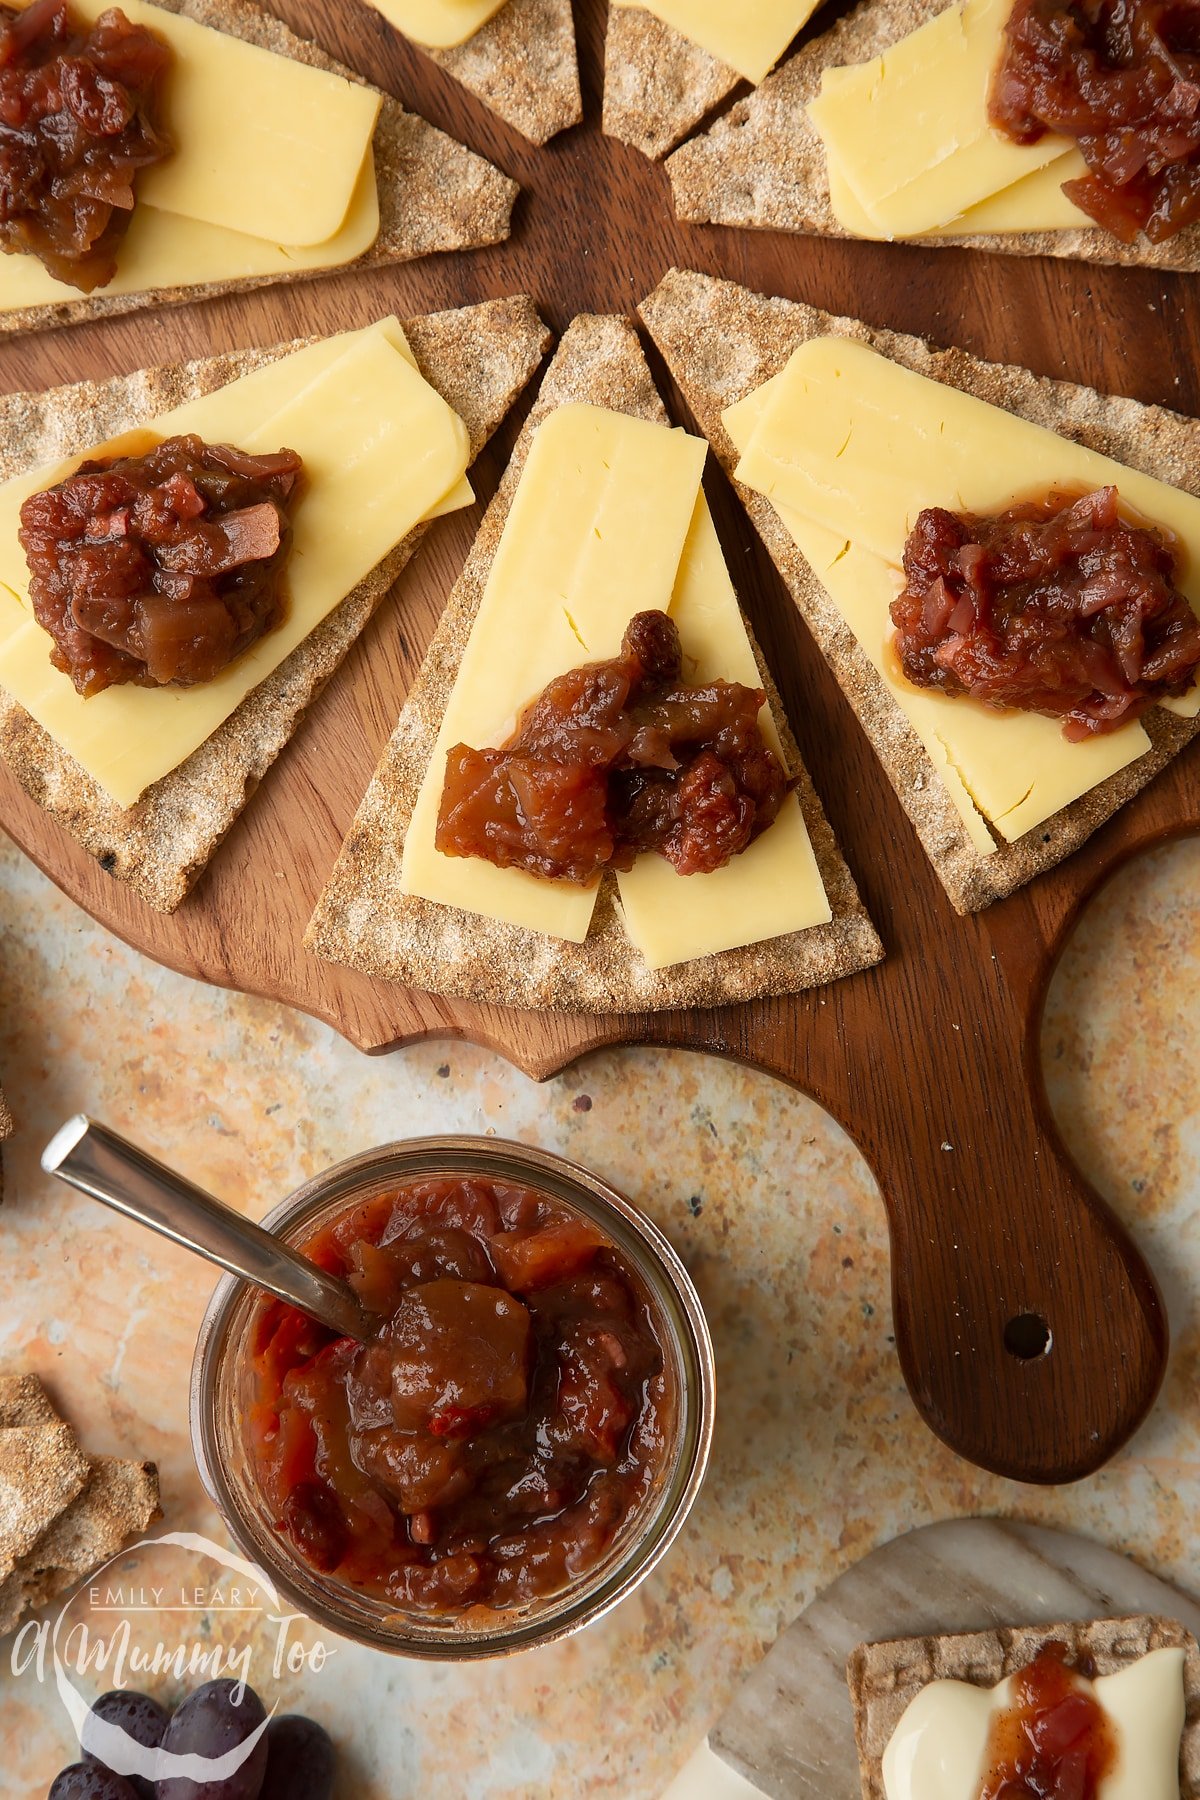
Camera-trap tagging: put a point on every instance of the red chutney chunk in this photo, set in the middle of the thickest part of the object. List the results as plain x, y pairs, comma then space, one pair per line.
79, 110
160, 567
1055, 1742
1059, 606
1122, 77
510, 1415
613, 759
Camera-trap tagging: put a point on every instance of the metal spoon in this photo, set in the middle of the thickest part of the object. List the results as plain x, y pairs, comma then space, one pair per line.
99, 1162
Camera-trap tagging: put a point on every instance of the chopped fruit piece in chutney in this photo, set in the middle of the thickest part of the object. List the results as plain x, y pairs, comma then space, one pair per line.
160, 567
613, 759
511, 1413
79, 109
1055, 1742
1122, 77
1058, 606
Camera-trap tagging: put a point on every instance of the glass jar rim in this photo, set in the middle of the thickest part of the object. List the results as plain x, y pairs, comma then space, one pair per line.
677, 1305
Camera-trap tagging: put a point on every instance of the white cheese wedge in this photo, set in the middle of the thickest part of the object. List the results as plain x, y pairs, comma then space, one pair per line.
272, 171
938, 1750
438, 24
382, 451
774, 886
749, 35
849, 447
908, 132
595, 534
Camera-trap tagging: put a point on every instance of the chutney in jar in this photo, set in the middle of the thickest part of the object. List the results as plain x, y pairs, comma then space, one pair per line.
504, 1425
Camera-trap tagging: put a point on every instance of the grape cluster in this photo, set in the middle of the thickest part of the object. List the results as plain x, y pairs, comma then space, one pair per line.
293, 1761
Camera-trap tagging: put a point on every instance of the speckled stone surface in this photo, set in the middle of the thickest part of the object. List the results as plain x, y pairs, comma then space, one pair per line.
819, 1455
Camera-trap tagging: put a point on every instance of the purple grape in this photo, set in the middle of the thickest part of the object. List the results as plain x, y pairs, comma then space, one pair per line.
300, 1760
87, 1781
208, 1723
140, 1717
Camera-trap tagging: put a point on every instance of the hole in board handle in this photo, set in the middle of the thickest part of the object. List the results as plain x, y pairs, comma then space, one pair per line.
1028, 1336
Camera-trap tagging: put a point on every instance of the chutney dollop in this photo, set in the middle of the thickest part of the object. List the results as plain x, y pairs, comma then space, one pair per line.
80, 110
1060, 605
614, 759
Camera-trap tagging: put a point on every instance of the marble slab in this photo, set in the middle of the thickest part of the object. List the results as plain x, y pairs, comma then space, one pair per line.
790, 1730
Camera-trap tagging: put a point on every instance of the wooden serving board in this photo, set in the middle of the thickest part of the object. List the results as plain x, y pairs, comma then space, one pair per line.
930, 1060
790, 1730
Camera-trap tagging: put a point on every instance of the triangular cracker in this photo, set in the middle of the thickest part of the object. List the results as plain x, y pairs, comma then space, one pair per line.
42, 1469
362, 918
657, 83
885, 1678
434, 194
762, 165
479, 358
119, 1500
523, 66
721, 341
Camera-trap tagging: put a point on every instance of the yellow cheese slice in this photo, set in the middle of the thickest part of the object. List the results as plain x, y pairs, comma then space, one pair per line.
163, 250
908, 132
749, 35
265, 146
1035, 203
1013, 769
382, 451
595, 534
438, 24
775, 886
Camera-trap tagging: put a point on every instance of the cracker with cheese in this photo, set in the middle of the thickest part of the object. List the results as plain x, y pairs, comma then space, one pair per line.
600, 516
149, 778
243, 200
669, 63
886, 1679
878, 128
517, 56
996, 797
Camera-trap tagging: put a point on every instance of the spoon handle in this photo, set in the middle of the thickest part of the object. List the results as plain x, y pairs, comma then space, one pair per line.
101, 1163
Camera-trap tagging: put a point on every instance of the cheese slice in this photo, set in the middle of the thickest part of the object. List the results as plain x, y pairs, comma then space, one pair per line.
595, 534
749, 35
382, 450
164, 250
774, 886
908, 132
849, 447
438, 24
1035, 203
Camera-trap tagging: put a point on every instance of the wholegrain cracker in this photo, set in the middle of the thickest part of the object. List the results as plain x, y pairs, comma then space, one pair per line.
42, 1469
362, 919
434, 194
762, 165
721, 341
523, 65
657, 83
885, 1678
479, 358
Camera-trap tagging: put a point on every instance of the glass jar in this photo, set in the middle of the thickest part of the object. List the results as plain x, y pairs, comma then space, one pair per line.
220, 1387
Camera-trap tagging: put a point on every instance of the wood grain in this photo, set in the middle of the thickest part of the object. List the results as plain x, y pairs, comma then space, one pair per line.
930, 1061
